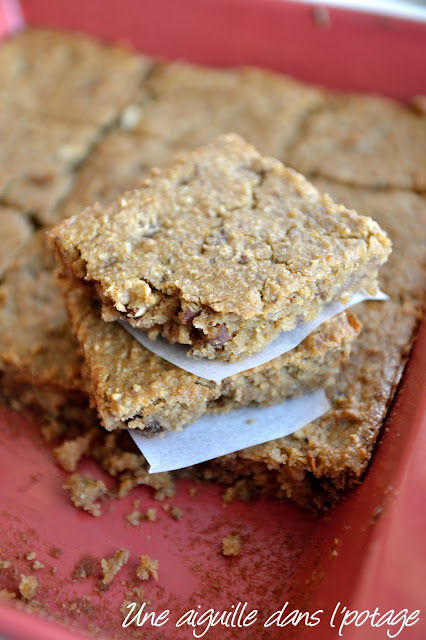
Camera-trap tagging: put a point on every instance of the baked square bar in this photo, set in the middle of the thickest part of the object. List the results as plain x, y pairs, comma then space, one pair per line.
267, 109
40, 365
132, 387
222, 251
36, 345
68, 76
38, 156
365, 141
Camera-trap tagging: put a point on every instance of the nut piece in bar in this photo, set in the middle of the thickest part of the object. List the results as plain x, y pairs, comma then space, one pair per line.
222, 251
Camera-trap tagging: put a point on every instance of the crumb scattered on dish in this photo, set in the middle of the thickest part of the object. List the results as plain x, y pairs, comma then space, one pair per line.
112, 566
147, 567
85, 492
231, 545
28, 587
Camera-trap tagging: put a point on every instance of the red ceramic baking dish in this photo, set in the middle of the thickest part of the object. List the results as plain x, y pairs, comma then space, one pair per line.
370, 551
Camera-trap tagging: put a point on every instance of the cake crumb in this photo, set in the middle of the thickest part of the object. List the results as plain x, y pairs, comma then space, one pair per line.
52, 430
4, 564
124, 609
134, 518
112, 566
85, 567
85, 491
136, 503
177, 513
166, 507
132, 596
148, 567
93, 629
31, 555
151, 515
193, 491
167, 491
69, 453
238, 491
162, 483
28, 587
231, 545
7, 595
38, 565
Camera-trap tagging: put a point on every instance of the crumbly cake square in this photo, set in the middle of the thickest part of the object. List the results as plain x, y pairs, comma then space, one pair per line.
222, 251
191, 105
131, 387
120, 162
69, 76
39, 358
265, 108
36, 345
363, 141
37, 157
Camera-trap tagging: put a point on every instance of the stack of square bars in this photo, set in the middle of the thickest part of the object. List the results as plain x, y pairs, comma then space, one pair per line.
222, 251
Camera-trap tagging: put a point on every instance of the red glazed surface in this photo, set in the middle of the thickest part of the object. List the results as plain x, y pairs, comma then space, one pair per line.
370, 551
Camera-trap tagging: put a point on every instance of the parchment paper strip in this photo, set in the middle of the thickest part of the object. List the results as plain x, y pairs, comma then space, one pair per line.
218, 434
216, 370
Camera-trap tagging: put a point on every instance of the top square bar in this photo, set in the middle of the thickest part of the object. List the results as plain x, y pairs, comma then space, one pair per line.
221, 251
